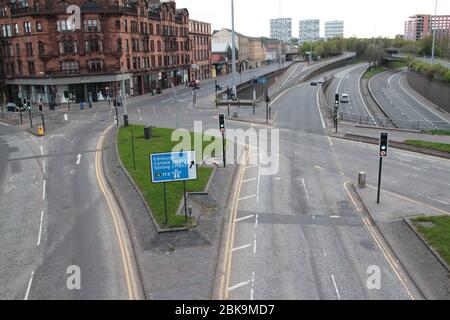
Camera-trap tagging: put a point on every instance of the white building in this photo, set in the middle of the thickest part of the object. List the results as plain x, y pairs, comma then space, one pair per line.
309, 30
281, 29
334, 29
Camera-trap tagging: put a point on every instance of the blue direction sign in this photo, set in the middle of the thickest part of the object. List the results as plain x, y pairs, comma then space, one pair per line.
172, 167
260, 81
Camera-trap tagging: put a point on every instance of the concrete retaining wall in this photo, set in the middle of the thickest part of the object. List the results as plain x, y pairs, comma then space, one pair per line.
436, 92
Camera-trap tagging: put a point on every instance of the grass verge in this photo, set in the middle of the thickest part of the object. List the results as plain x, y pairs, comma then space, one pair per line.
431, 145
153, 193
436, 230
373, 71
438, 132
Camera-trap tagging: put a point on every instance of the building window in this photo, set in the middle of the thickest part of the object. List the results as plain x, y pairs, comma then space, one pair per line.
70, 66
39, 27
6, 30
118, 25
16, 29
20, 67
94, 45
95, 65
41, 48
27, 27
31, 68
68, 47
17, 49
65, 25
125, 25
92, 26
29, 47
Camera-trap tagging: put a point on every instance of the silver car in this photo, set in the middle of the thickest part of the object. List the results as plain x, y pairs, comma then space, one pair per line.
345, 98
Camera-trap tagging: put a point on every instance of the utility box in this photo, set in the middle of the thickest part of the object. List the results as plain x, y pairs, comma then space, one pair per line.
147, 132
362, 180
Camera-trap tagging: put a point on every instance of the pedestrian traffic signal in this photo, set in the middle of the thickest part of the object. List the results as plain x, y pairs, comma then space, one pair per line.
40, 107
384, 141
222, 122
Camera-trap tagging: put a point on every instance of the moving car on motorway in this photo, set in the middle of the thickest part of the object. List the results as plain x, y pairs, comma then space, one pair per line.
345, 98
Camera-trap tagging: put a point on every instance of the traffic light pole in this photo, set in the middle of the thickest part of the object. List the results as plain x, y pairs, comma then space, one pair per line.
224, 151
379, 180
31, 118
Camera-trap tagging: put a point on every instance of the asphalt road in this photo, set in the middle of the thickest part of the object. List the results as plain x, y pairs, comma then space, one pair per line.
54, 217
348, 81
401, 107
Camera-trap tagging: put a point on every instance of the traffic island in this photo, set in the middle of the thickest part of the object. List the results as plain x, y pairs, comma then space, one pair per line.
137, 164
174, 263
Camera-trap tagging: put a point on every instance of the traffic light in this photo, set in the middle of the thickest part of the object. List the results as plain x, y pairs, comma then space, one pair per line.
336, 99
384, 141
222, 122
40, 107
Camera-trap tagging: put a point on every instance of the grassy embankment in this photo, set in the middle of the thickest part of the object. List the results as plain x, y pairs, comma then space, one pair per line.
436, 230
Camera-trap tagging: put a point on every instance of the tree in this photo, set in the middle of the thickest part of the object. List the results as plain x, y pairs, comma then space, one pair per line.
374, 54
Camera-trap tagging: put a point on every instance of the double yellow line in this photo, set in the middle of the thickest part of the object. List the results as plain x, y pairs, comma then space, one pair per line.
225, 280
130, 277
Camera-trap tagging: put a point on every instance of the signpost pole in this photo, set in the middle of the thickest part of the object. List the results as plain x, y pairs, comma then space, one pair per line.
379, 180
185, 201
132, 146
31, 119
117, 114
224, 151
165, 204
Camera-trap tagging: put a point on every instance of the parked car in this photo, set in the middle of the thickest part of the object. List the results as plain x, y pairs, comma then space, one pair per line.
195, 84
345, 98
314, 83
13, 107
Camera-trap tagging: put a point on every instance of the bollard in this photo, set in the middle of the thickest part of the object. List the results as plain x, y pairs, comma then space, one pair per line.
362, 180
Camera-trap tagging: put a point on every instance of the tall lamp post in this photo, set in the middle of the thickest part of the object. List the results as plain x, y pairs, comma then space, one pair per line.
233, 48
124, 100
433, 25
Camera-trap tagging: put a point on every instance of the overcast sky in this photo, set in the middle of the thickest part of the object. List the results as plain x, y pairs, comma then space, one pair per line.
363, 18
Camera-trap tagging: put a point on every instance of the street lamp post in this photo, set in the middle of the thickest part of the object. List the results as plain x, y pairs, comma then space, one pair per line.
124, 99
233, 48
433, 25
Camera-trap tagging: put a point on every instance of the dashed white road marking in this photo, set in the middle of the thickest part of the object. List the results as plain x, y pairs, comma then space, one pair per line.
335, 287
256, 222
43, 189
78, 159
249, 180
254, 244
306, 190
241, 248
248, 197
245, 218
239, 285
40, 229
27, 293
252, 290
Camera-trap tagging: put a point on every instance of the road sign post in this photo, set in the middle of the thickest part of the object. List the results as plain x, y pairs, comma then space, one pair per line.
267, 106
132, 147
31, 118
185, 201
222, 130
384, 144
173, 167
336, 111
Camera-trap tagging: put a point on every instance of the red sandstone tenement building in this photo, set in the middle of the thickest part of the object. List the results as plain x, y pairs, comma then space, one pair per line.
145, 43
200, 37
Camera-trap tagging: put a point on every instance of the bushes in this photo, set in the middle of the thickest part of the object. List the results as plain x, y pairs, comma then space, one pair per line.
435, 71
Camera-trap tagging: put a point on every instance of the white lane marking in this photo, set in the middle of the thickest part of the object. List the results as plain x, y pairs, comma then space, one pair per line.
330, 141
78, 159
335, 217
254, 245
43, 189
252, 291
289, 78
95, 115
306, 190
42, 150
167, 100
251, 166
245, 218
256, 222
140, 115
249, 180
241, 248
320, 112
40, 229
248, 197
362, 99
258, 185
324, 252
27, 293
335, 287
238, 285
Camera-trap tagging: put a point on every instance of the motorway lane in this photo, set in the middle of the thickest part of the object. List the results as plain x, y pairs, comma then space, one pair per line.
297, 234
21, 206
348, 81
403, 110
